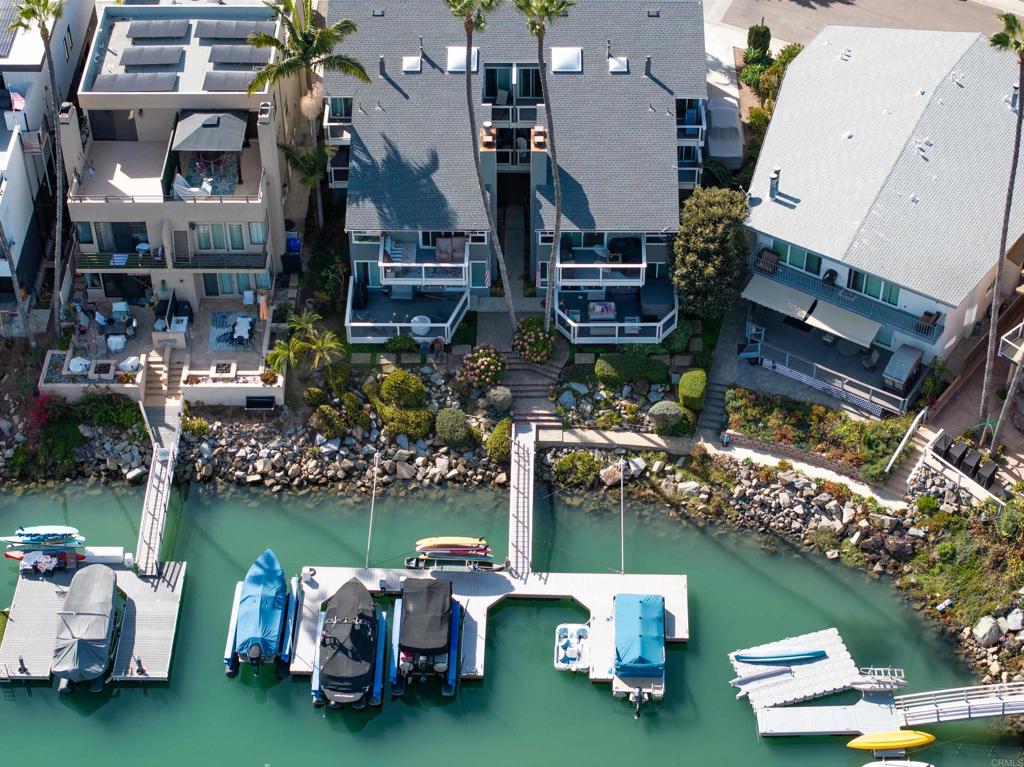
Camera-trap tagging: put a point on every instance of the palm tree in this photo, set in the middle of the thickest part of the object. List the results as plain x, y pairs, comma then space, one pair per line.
539, 14
1010, 38
311, 166
306, 47
474, 16
324, 347
42, 15
288, 353
304, 323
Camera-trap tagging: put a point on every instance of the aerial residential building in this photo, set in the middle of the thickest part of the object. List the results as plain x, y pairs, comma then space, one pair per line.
27, 190
628, 81
876, 207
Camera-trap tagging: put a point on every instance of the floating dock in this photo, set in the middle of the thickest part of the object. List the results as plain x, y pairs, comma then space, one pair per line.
148, 625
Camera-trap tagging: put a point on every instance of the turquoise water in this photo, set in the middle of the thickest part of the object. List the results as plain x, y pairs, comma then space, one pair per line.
524, 712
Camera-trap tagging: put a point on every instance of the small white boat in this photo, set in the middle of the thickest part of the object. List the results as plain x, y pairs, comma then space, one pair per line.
898, 763
572, 647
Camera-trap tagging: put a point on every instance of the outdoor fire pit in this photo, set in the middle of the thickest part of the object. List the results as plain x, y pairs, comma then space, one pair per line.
223, 370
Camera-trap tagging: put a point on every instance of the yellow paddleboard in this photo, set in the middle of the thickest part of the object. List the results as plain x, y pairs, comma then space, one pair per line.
450, 542
885, 741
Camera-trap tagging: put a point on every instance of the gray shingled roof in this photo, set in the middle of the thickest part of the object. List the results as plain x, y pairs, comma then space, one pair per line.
894, 156
8, 13
411, 164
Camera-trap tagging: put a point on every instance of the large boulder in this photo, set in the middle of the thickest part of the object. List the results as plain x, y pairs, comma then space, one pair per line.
986, 631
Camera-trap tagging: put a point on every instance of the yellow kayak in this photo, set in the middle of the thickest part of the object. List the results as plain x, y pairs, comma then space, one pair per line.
450, 542
886, 741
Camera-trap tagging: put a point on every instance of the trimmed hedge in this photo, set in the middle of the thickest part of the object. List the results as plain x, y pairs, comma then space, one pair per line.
692, 386
452, 427
415, 422
402, 344
403, 389
615, 370
499, 399
354, 411
499, 442
664, 415
328, 421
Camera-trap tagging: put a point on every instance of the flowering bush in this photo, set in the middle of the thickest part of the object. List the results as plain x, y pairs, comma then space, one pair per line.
483, 366
531, 342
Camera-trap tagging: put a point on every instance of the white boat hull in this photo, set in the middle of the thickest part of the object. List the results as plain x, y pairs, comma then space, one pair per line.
572, 647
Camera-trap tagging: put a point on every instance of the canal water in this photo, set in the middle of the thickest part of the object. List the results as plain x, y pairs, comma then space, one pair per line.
523, 712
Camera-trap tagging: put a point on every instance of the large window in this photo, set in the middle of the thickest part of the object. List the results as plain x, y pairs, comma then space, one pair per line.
528, 84
257, 233
340, 109
508, 84
873, 286
120, 236
797, 257
220, 237
84, 232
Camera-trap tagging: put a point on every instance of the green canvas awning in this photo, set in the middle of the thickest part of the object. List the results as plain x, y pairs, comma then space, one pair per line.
210, 132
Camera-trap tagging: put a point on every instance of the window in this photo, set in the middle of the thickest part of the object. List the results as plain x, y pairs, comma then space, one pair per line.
592, 239
120, 236
429, 239
813, 263
478, 238
363, 238
236, 236
211, 237
528, 83
84, 232
264, 280
67, 50
891, 294
242, 280
497, 77
257, 233
226, 283
873, 286
545, 238
855, 280
340, 109
457, 58
797, 257
656, 239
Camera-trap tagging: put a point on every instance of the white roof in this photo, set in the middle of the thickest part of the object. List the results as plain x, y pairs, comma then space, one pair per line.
894, 147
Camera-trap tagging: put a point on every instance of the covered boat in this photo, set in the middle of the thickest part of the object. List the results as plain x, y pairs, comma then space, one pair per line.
85, 629
640, 646
348, 668
261, 623
425, 637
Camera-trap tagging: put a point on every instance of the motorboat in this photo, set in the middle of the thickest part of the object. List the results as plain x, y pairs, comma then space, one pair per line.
348, 663
780, 656
85, 629
893, 740
425, 635
898, 763
262, 617
639, 669
572, 647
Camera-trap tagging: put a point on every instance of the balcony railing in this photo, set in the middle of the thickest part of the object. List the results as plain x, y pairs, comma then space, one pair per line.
207, 261
690, 178
372, 332
74, 195
425, 274
85, 262
617, 332
584, 275
513, 158
336, 133
1011, 345
337, 178
690, 126
922, 326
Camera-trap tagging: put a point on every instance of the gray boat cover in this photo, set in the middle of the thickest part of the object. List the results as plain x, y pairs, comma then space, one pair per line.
348, 645
85, 625
426, 615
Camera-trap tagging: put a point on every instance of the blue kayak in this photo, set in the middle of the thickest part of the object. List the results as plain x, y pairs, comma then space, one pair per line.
782, 655
261, 611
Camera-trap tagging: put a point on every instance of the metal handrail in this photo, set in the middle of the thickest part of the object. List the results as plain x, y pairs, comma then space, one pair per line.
448, 327
957, 694
906, 437
663, 326
74, 196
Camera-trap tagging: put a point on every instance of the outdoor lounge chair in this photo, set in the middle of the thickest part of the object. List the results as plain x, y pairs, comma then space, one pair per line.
870, 361
768, 262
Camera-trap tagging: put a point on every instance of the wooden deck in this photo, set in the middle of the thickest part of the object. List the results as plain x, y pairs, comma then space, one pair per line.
479, 591
147, 631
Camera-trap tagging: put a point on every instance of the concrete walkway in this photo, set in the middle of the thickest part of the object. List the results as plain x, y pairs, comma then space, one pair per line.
639, 441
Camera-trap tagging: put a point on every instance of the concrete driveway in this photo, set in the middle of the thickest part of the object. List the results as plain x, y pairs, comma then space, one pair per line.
798, 21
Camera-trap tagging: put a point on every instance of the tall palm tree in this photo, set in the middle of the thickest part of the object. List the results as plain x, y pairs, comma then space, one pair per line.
539, 15
1011, 39
43, 15
306, 48
287, 354
474, 16
304, 323
311, 167
324, 347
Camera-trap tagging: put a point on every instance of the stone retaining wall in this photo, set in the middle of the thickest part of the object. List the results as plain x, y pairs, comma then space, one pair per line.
796, 454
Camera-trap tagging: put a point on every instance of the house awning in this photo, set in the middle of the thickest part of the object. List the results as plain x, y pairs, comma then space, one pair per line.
781, 298
843, 323
209, 132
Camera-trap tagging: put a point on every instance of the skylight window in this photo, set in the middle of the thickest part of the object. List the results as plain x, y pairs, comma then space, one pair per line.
618, 65
457, 58
566, 59
412, 64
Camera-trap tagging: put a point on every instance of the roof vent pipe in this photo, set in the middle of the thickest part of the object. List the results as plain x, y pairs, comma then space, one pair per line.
609, 49
647, 66
1015, 98
421, 45
381, 66
773, 182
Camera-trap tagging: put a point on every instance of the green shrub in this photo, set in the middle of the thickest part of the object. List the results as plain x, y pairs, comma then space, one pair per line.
578, 468
110, 410
499, 443
499, 399
683, 426
314, 396
336, 377
759, 38
195, 425
664, 415
416, 422
21, 462
402, 389
354, 412
328, 421
531, 342
927, 504
402, 344
615, 370
452, 427
1010, 518
692, 386
946, 551
608, 420
751, 74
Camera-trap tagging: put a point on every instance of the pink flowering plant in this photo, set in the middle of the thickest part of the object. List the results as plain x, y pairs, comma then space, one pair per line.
483, 366
531, 342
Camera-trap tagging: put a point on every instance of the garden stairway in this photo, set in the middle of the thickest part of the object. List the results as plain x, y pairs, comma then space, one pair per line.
900, 475
712, 417
530, 385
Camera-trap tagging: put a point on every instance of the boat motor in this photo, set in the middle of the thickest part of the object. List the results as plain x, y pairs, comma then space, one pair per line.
255, 659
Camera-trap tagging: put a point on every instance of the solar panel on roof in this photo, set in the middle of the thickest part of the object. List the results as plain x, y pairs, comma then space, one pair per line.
231, 30
227, 81
152, 28
136, 82
151, 55
239, 54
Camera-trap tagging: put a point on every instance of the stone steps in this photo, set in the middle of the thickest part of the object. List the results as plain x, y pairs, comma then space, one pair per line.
712, 417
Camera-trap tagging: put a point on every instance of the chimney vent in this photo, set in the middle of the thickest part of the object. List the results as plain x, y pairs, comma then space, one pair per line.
381, 67
1015, 98
647, 66
773, 182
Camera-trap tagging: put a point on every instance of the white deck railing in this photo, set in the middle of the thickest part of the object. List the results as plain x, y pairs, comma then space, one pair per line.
580, 332
425, 274
961, 703
379, 331
906, 438
575, 274
336, 133
1011, 345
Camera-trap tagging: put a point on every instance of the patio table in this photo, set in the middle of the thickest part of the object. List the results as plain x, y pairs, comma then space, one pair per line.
957, 452
115, 328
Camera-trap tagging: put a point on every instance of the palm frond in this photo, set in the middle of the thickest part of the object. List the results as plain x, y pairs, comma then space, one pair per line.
265, 40
346, 65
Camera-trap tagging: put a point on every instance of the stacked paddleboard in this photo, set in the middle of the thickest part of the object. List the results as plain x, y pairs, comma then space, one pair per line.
454, 548
57, 541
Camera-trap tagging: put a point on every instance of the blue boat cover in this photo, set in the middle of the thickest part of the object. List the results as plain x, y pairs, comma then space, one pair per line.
639, 635
261, 609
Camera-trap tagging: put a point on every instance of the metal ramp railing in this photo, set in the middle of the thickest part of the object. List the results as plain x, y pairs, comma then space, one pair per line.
961, 703
154, 507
